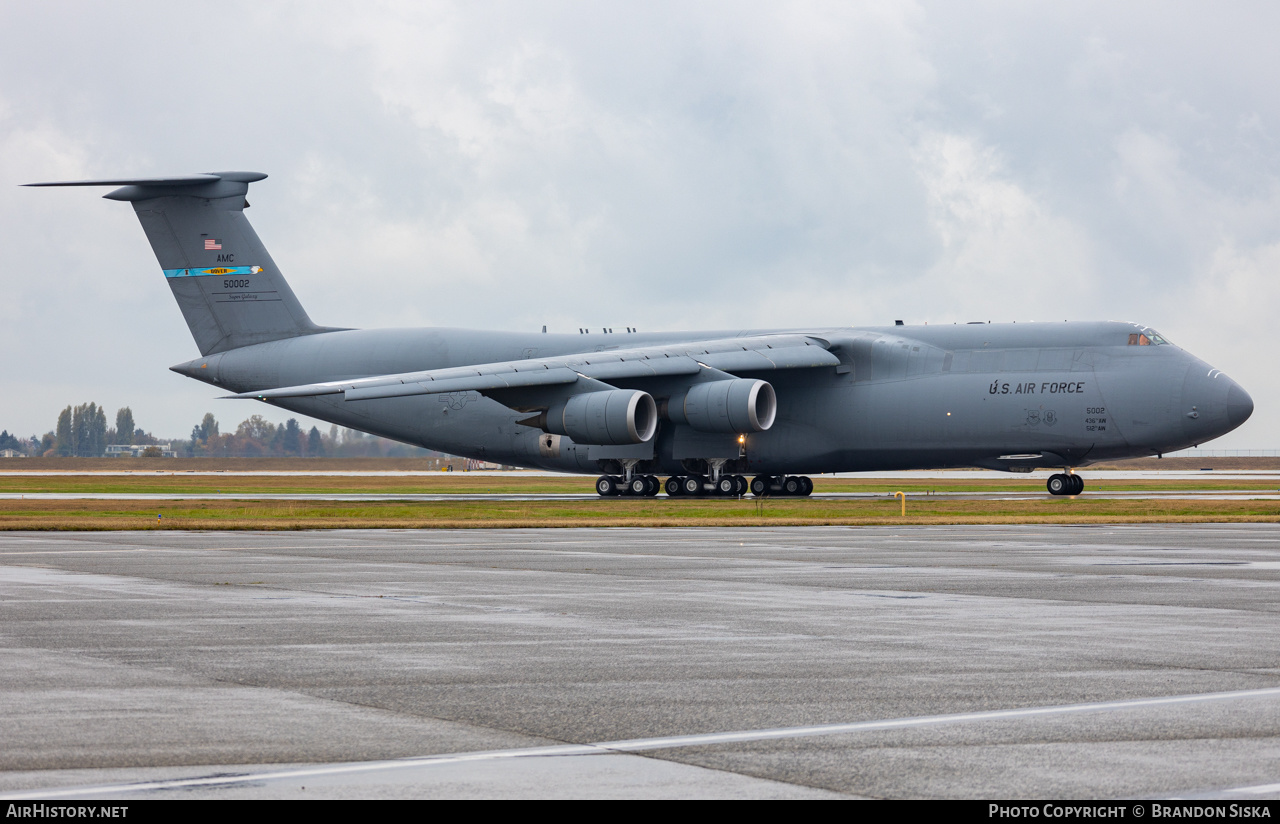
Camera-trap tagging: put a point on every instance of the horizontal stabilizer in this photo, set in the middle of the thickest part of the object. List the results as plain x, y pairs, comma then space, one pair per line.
176, 180
180, 180
206, 185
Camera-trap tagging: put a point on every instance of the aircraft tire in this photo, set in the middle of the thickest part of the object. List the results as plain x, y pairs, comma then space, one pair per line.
1059, 484
691, 485
673, 486
760, 485
726, 486
1077, 484
792, 486
639, 486
741, 485
652, 486
606, 486
808, 486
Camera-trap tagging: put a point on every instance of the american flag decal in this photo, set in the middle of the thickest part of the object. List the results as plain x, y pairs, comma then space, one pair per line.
212, 243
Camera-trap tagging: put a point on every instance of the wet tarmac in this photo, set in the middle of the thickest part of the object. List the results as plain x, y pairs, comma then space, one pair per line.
887, 662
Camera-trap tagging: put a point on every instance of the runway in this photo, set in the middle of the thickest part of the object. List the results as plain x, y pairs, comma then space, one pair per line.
501, 497
1035, 489
906, 474
907, 662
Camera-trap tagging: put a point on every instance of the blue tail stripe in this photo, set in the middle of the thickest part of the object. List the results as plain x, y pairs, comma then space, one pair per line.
212, 270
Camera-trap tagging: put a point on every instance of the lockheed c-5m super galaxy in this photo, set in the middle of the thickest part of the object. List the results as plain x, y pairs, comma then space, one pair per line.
716, 412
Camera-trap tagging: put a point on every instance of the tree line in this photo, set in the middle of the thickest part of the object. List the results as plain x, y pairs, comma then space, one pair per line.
257, 437
82, 432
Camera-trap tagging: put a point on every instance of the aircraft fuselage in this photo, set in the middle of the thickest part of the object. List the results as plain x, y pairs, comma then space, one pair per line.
1002, 396
706, 408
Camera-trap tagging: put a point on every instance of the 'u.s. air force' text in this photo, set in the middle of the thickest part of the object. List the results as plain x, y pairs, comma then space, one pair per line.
1046, 388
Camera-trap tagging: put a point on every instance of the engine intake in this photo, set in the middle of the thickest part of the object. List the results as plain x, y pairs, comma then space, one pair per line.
738, 405
615, 416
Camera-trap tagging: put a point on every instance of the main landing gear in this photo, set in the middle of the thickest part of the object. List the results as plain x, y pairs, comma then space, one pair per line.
715, 482
643, 486
795, 486
1064, 484
691, 486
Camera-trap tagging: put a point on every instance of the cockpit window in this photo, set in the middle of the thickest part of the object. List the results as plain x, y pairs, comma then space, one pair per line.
1147, 338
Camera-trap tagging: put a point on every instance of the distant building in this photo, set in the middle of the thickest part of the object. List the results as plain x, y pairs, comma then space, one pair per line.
11, 453
135, 450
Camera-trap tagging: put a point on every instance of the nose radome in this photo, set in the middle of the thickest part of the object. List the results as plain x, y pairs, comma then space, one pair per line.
1239, 405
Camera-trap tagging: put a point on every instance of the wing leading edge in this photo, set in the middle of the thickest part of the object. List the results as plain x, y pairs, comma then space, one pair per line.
731, 356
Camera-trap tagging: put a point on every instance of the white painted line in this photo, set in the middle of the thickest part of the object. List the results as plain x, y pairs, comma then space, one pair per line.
645, 744
1260, 789
341, 769
929, 720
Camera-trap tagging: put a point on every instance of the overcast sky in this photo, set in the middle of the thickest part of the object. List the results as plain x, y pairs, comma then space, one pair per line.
660, 165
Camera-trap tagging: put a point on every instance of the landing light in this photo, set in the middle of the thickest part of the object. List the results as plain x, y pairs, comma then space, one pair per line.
742, 439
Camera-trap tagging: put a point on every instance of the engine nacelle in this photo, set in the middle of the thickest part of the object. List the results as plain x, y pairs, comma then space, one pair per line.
739, 405
615, 416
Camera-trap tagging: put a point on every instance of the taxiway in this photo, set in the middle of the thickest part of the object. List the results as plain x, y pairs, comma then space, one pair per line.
993, 661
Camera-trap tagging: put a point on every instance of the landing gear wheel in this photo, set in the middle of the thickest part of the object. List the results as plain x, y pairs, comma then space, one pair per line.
740, 485
691, 484
1077, 484
606, 486
1059, 484
725, 486
792, 486
639, 486
673, 486
760, 485
652, 486
808, 486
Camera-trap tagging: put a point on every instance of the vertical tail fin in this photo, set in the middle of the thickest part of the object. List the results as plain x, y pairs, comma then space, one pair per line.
226, 284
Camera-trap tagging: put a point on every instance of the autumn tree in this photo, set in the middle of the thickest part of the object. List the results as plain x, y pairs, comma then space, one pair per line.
64, 445
124, 426
291, 438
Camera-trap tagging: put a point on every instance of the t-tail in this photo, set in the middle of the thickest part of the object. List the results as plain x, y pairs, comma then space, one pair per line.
228, 287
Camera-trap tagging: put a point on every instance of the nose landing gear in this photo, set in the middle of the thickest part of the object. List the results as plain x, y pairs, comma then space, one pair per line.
1064, 484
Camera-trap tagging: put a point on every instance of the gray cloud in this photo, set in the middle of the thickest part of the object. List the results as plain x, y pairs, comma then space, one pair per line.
726, 165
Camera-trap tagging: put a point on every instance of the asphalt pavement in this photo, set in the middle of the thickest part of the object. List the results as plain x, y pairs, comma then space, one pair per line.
887, 662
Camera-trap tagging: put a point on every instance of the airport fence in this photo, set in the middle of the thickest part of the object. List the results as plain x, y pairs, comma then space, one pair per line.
1224, 453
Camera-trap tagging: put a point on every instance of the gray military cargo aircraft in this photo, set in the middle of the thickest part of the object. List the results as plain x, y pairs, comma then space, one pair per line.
707, 409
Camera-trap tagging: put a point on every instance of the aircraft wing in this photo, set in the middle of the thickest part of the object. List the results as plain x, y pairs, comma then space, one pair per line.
731, 355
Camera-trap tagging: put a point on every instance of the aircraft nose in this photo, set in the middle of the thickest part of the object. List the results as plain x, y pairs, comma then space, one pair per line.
1212, 403
1239, 405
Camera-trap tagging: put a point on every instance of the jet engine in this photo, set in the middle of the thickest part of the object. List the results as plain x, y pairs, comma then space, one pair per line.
615, 416
739, 405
